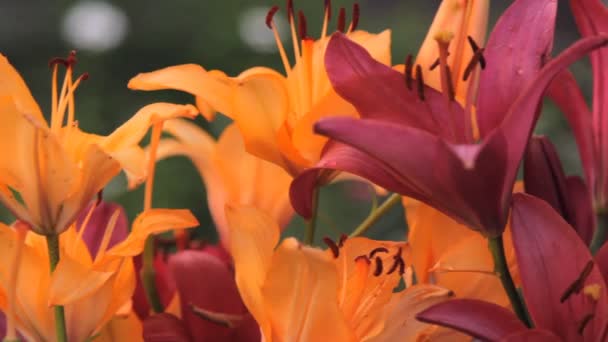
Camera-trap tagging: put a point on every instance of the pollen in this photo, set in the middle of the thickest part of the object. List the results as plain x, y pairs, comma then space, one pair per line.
593, 291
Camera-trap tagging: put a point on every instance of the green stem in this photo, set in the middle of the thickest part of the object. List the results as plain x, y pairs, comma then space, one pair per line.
52, 243
311, 225
502, 270
601, 232
148, 276
375, 215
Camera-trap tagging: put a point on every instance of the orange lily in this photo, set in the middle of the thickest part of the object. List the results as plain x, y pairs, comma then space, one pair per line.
93, 289
275, 113
231, 175
345, 293
56, 168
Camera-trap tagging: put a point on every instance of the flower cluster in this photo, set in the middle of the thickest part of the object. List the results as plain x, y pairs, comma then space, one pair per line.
486, 256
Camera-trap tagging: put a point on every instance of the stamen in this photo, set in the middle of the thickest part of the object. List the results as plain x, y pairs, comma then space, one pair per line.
343, 238
363, 257
476, 49
378, 270
223, 319
577, 285
399, 263
290, 11
436, 63
277, 38
270, 16
341, 20
335, 250
450, 84
356, 13
372, 254
409, 71
326, 18
420, 82
476, 59
105, 240
99, 197
584, 323
302, 25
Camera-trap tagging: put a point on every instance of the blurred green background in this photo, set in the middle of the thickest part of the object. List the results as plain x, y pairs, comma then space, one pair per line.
116, 40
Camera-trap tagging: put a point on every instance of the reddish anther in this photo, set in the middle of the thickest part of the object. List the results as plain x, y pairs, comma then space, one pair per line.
342, 20
420, 82
335, 250
302, 25
269, 17
577, 285
374, 251
290, 10
378, 270
356, 14
409, 71
343, 238
328, 9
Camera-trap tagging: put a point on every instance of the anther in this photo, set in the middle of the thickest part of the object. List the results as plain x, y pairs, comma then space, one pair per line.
335, 250
270, 16
84, 76
399, 263
478, 51
290, 11
476, 59
356, 14
584, 323
66, 62
577, 285
342, 20
409, 70
378, 270
374, 251
302, 25
328, 9
364, 258
436, 63
99, 197
420, 82
343, 238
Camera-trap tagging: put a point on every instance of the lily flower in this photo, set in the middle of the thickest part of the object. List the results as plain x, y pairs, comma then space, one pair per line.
420, 143
275, 113
588, 126
94, 282
54, 168
345, 293
545, 178
565, 292
231, 175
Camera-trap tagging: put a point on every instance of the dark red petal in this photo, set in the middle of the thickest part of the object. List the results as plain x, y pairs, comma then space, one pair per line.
544, 176
482, 320
93, 234
569, 98
601, 259
532, 335
527, 26
551, 257
380, 92
582, 216
592, 18
463, 181
208, 283
165, 327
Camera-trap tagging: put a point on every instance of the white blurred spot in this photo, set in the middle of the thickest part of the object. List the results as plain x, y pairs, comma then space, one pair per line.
95, 26
254, 32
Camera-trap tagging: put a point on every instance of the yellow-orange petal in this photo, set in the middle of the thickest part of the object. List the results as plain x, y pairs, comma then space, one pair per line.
211, 88
152, 221
120, 328
401, 323
261, 105
300, 295
254, 236
11, 84
131, 132
72, 281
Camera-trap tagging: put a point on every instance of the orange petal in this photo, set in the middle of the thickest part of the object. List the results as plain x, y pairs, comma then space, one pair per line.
253, 237
72, 281
120, 328
261, 104
132, 131
300, 296
11, 84
211, 88
152, 222
401, 323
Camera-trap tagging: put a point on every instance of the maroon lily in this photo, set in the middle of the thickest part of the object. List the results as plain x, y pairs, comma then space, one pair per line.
565, 291
418, 142
590, 128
